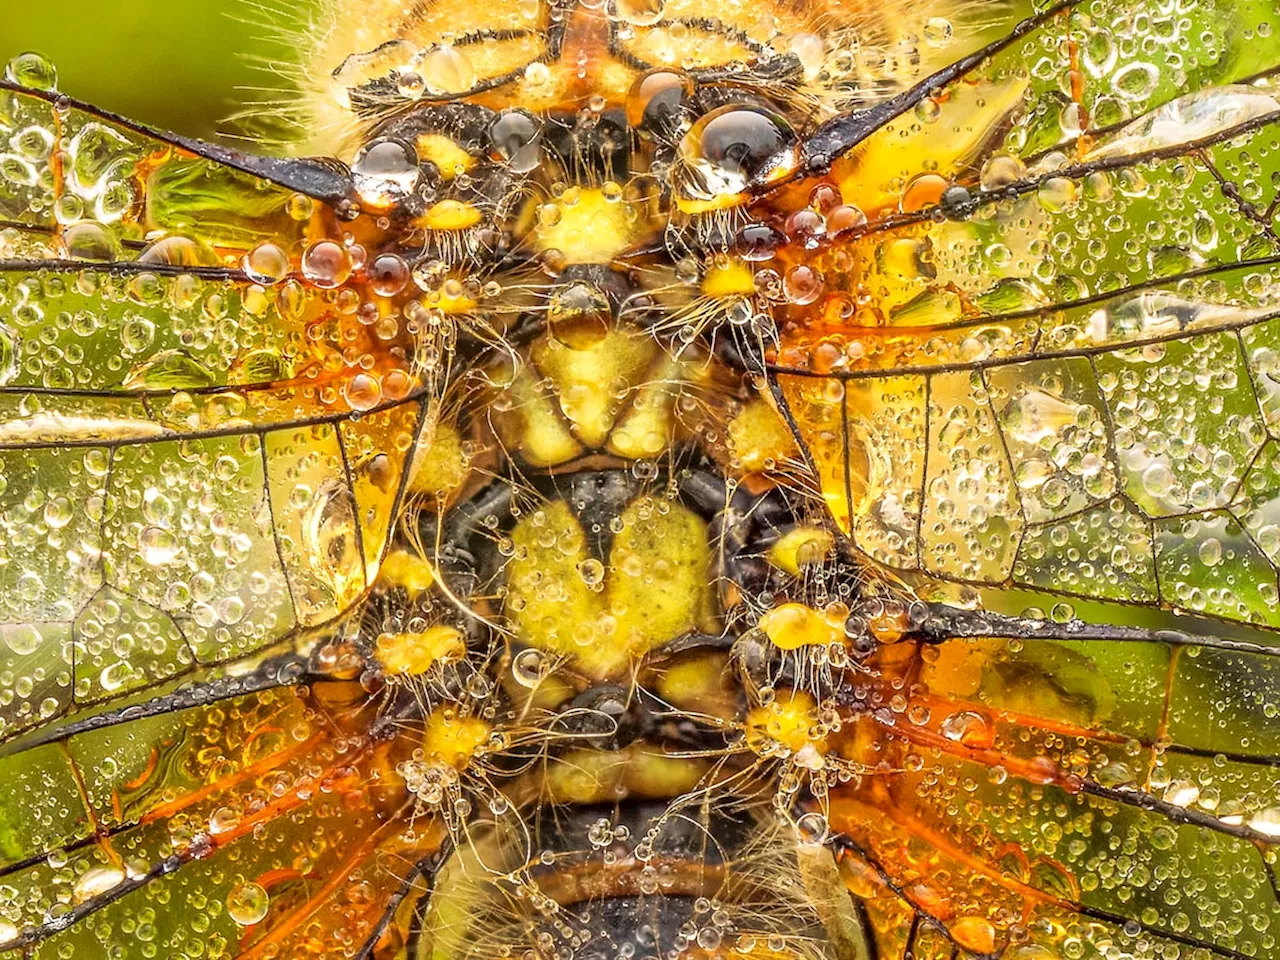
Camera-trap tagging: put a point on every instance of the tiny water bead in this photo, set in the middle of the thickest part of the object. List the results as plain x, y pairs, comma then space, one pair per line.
586, 491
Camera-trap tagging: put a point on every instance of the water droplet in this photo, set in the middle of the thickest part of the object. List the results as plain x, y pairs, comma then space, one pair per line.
656, 104
247, 904
31, 70
326, 264
529, 667
96, 881
1000, 172
388, 275
938, 31
22, 638
639, 13
516, 137
447, 70
363, 391
734, 148
266, 264
385, 172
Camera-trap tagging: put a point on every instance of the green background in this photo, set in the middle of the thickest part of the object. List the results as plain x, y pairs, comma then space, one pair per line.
176, 64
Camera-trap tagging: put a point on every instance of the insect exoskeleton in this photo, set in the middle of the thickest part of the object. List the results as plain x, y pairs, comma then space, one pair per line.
708, 880
614, 625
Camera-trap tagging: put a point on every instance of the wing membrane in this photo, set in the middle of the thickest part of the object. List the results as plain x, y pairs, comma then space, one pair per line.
195, 466
1048, 401
1054, 790
254, 813
65, 164
1069, 73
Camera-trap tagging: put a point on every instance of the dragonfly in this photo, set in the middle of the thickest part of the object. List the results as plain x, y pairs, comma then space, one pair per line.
648, 480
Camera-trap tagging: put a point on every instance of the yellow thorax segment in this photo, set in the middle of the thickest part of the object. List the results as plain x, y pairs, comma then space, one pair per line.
652, 588
590, 225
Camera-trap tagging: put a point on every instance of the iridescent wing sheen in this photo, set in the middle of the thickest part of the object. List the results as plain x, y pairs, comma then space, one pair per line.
1062, 379
1065, 792
1061, 387
244, 820
196, 466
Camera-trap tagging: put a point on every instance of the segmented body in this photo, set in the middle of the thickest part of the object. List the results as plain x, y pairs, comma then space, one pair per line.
612, 510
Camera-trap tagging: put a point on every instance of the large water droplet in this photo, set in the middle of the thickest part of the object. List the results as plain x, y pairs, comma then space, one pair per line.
734, 148
31, 70
385, 172
247, 904
447, 70
326, 264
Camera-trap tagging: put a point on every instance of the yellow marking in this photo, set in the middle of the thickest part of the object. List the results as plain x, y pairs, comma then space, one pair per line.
439, 467
801, 547
759, 438
729, 278
449, 215
447, 155
788, 720
587, 381
649, 427
653, 589
592, 229
598, 776
700, 684
407, 570
533, 425
453, 740
413, 654
795, 625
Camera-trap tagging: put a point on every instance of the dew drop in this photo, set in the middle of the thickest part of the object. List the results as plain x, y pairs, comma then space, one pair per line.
448, 70
247, 904
326, 264
639, 13
266, 264
385, 172
31, 70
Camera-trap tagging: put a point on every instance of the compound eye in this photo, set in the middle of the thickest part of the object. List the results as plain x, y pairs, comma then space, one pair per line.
731, 151
657, 104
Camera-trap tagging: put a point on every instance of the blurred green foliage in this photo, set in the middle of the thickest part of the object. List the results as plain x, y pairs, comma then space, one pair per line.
176, 65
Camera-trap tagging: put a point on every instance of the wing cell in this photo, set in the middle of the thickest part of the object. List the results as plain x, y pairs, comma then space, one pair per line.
1081, 362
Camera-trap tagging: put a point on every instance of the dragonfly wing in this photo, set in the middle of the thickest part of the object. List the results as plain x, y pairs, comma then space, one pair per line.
1055, 391
1062, 377
262, 814
1055, 794
196, 465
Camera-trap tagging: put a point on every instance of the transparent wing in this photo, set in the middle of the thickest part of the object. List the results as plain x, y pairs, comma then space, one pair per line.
194, 466
255, 825
1055, 382
1067, 797
65, 164
1063, 380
